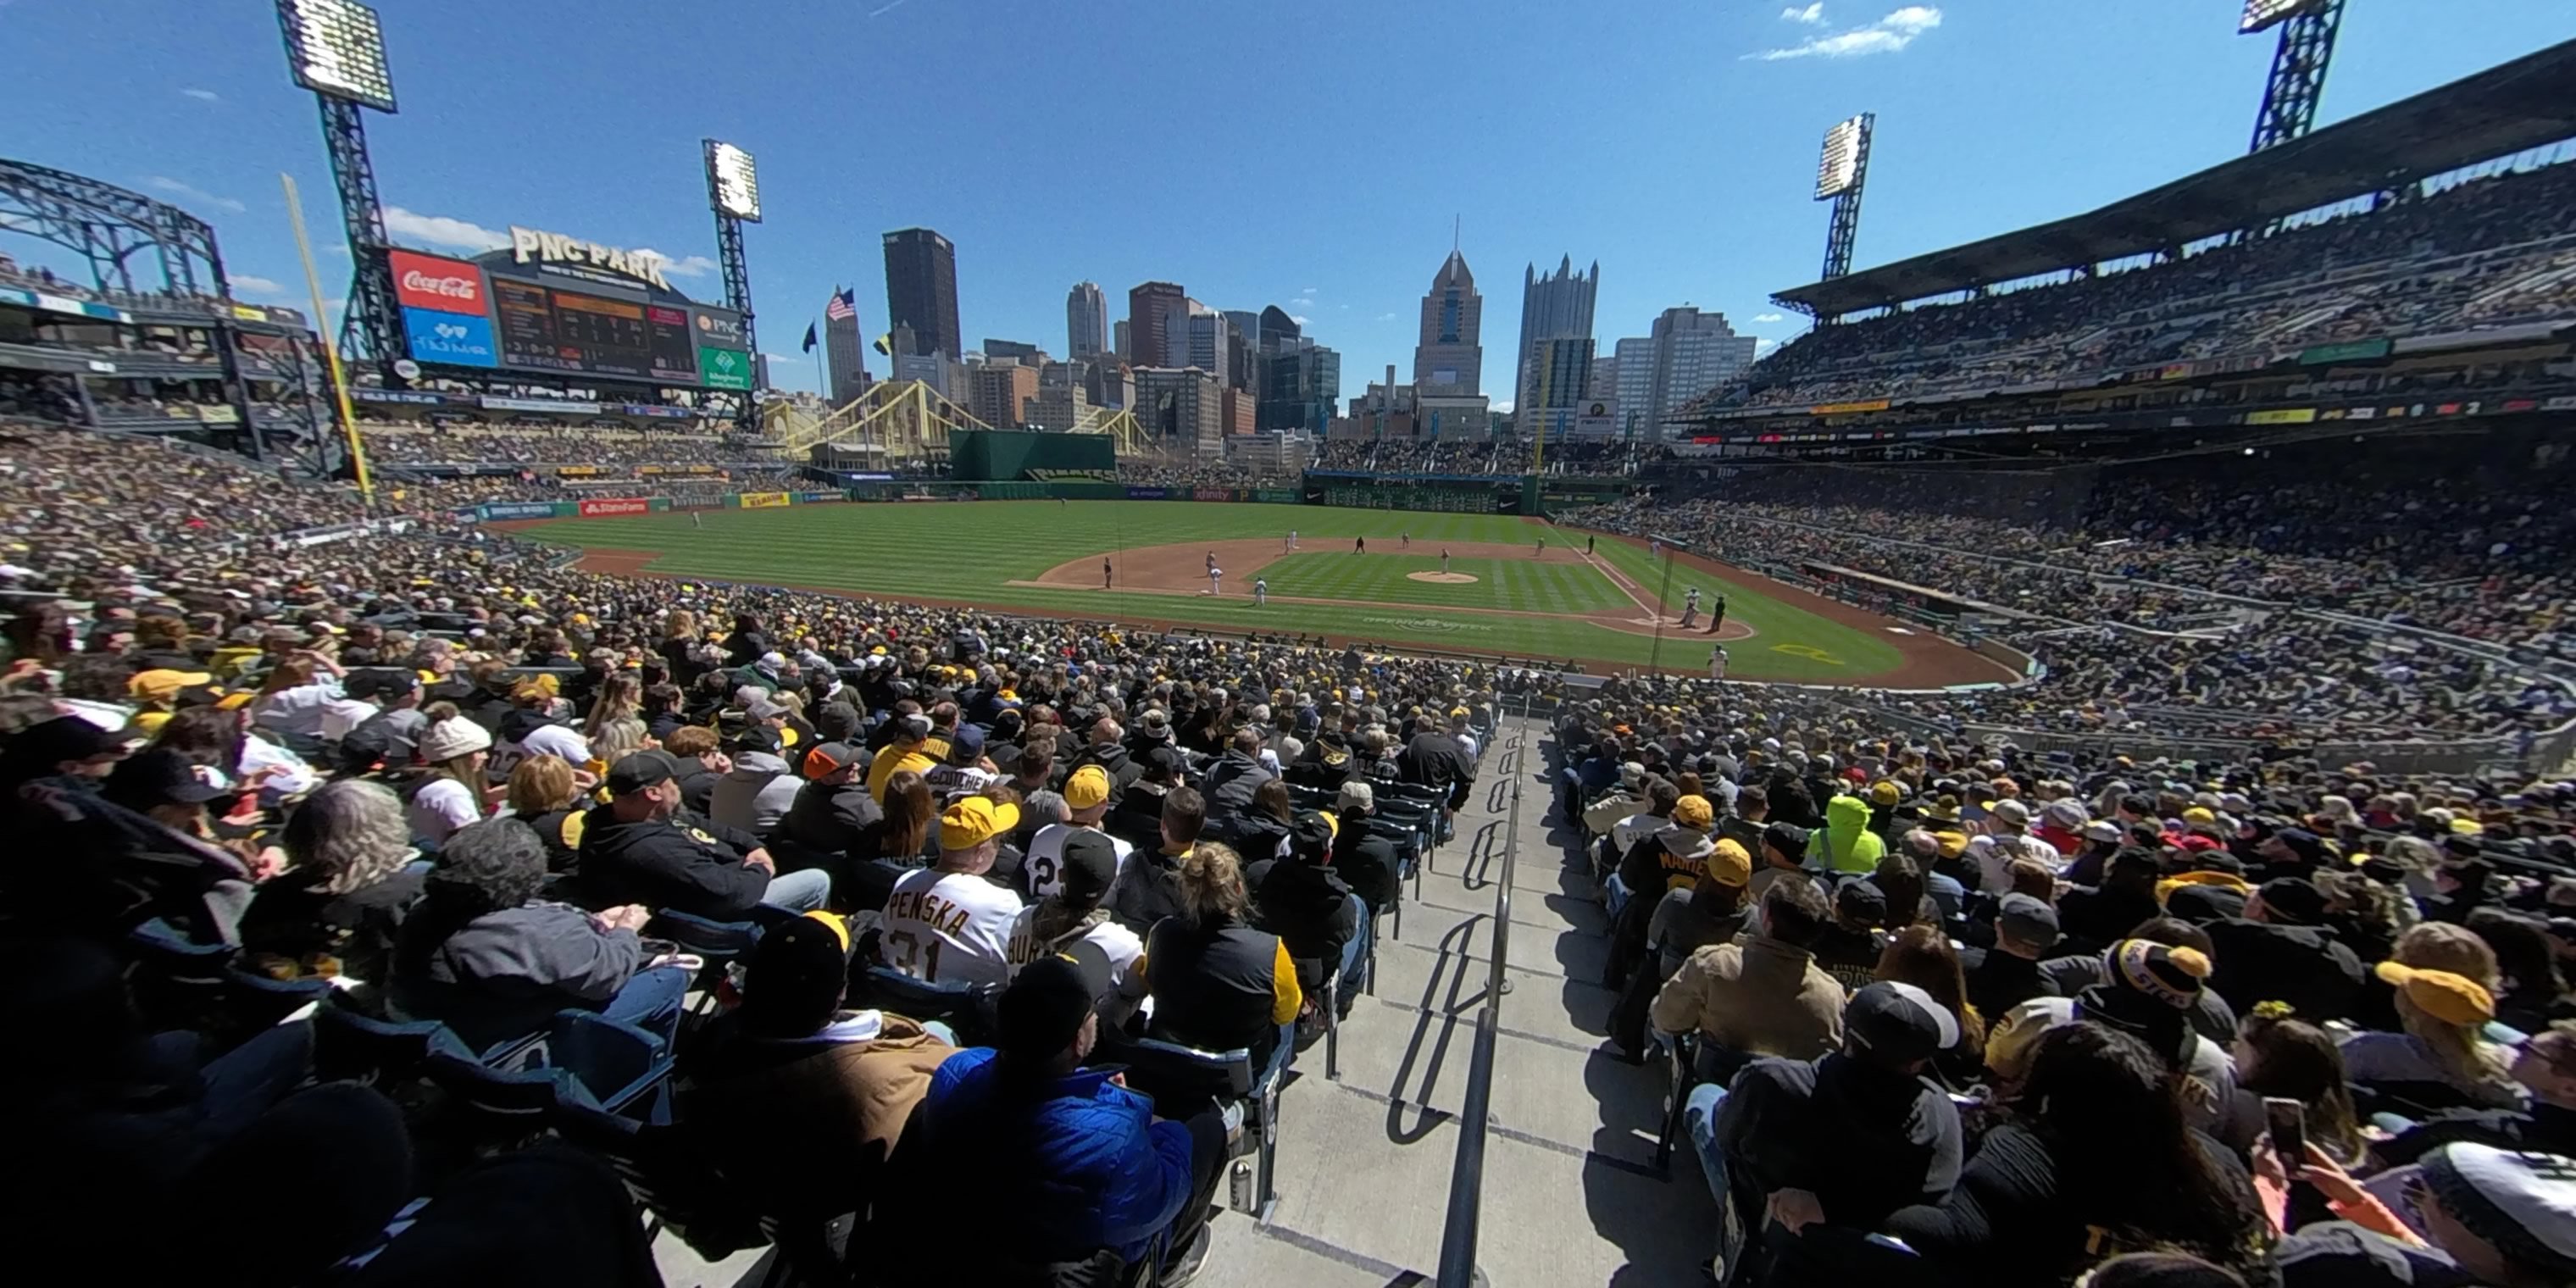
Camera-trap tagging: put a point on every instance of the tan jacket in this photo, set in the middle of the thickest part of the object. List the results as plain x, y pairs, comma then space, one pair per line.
811, 1122
1759, 997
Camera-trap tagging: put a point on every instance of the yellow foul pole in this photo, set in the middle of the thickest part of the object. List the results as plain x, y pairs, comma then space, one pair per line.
330, 350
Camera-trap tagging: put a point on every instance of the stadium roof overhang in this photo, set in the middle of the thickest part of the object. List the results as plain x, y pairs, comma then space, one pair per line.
2503, 110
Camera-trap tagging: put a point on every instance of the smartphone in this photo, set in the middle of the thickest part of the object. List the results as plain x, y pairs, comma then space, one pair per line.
2288, 1120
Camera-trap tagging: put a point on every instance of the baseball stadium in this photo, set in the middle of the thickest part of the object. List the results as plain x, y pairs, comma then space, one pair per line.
2062, 769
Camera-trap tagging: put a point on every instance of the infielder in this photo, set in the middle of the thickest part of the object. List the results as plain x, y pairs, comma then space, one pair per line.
1292, 538
1261, 592
1717, 662
1216, 576
1104, 574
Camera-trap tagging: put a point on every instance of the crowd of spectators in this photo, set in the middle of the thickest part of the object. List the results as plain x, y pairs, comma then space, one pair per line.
615, 447
1173, 472
1949, 1012
2487, 252
1489, 457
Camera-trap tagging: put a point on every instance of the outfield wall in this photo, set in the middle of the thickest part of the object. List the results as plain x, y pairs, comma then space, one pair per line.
1428, 494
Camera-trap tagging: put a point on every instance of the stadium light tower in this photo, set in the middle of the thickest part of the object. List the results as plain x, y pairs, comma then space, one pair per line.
2298, 64
1841, 173
733, 192
337, 49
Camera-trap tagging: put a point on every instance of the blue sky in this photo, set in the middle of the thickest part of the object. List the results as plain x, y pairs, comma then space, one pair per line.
1309, 155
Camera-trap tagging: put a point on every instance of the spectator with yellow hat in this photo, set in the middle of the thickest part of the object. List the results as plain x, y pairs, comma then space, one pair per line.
2441, 1059
945, 923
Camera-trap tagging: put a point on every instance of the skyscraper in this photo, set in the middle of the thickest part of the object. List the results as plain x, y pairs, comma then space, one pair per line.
1636, 358
1451, 354
1694, 353
1150, 308
1555, 307
841, 349
921, 290
1086, 321
1210, 342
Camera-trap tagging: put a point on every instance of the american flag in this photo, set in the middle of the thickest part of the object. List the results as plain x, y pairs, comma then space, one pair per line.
843, 307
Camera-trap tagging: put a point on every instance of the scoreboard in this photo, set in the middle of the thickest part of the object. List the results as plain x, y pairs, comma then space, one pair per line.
507, 316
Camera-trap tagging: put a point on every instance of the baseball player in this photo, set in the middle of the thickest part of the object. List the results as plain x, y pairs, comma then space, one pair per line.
1587, 545
1211, 561
1716, 614
1408, 541
1444, 561
1717, 662
1360, 546
1287, 543
1216, 577
697, 519
1261, 592
1292, 538
1104, 574
1542, 547
1654, 547
1690, 608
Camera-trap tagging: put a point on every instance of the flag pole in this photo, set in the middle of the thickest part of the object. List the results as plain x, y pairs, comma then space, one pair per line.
822, 387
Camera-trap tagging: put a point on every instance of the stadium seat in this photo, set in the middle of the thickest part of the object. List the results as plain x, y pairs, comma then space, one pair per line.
583, 1060
963, 1008
718, 943
349, 1046
1170, 1070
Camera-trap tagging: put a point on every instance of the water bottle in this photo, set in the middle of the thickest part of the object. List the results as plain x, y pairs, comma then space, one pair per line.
1240, 1185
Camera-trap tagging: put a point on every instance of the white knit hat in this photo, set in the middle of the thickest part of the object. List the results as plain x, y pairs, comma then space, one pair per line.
448, 739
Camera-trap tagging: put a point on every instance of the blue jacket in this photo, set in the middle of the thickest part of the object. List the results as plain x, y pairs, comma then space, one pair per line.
1081, 1165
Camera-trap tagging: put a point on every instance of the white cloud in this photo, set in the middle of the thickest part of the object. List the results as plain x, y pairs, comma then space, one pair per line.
1305, 290
1385, 317
247, 284
1885, 36
1763, 347
1768, 317
191, 192
1299, 318
439, 230
1813, 15
203, 95
779, 357
1303, 301
685, 266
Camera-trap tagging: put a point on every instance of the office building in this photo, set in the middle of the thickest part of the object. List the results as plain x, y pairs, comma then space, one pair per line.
843, 355
1453, 415
1109, 382
998, 393
1086, 321
1119, 343
921, 290
1060, 404
1013, 351
1209, 344
1555, 307
1183, 409
1384, 410
1558, 373
1636, 359
1694, 353
1451, 355
1151, 307
1605, 375
1300, 385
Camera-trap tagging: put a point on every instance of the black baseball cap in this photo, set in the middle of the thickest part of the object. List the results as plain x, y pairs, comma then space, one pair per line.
1043, 1009
1090, 865
379, 682
1860, 899
1897, 1024
793, 979
639, 770
158, 776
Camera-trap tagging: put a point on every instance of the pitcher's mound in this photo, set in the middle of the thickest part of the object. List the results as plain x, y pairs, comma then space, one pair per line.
1441, 578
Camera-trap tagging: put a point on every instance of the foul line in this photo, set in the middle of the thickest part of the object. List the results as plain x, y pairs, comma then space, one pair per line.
1620, 580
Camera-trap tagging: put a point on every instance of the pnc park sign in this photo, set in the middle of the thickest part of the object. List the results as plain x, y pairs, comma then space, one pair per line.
527, 245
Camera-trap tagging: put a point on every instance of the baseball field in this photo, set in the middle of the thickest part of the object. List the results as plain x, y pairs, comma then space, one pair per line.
1487, 584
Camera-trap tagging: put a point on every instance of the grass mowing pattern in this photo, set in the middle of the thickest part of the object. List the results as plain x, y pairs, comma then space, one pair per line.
967, 551
1518, 585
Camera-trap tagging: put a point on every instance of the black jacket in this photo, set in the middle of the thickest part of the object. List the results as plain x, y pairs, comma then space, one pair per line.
2305, 966
829, 818
1149, 889
1999, 981
684, 863
1864, 1140
1231, 783
697, 785
1114, 761
1368, 863
1309, 908
1435, 759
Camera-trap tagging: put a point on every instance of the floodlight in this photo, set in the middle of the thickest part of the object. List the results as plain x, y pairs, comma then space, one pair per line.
2260, 14
1846, 154
732, 181
338, 50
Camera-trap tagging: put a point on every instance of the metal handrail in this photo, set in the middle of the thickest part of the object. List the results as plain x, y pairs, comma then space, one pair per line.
1467, 1171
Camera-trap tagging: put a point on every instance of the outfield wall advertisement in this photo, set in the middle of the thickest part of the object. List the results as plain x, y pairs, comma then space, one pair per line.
762, 500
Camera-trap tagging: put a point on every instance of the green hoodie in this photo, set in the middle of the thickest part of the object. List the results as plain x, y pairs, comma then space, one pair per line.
1854, 848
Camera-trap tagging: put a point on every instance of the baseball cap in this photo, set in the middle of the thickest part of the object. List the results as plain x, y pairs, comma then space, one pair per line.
2103, 830
1859, 899
2012, 812
1087, 788
759, 738
1090, 865
764, 709
1043, 1009
63, 738
912, 728
973, 821
1787, 838
158, 776
639, 770
164, 686
830, 757
1357, 795
1896, 1024
2027, 920
1694, 812
2452, 999
379, 682
1885, 793
2292, 901
793, 979
1728, 864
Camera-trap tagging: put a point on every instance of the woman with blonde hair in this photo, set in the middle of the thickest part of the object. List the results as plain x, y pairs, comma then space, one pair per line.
1217, 983
545, 793
2444, 978
621, 697
450, 797
614, 740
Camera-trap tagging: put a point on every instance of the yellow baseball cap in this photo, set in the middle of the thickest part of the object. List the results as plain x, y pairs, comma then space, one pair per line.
973, 821
1088, 788
1730, 865
2452, 999
1694, 812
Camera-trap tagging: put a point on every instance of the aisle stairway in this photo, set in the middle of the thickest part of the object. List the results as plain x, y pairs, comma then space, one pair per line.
1570, 1193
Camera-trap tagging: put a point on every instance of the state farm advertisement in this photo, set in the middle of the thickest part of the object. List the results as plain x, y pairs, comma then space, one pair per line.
441, 285
615, 505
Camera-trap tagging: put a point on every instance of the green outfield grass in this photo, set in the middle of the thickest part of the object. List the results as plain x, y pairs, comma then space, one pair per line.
971, 551
1500, 583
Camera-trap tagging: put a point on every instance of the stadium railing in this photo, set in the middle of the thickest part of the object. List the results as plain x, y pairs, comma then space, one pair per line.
1467, 1171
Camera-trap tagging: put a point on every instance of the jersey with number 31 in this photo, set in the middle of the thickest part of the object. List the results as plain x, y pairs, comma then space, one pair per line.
949, 928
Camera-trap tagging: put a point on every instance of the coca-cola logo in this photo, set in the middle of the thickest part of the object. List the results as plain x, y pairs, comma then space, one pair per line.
442, 285
454, 288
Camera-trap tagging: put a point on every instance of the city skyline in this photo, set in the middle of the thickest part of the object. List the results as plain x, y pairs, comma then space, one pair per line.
1697, 150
